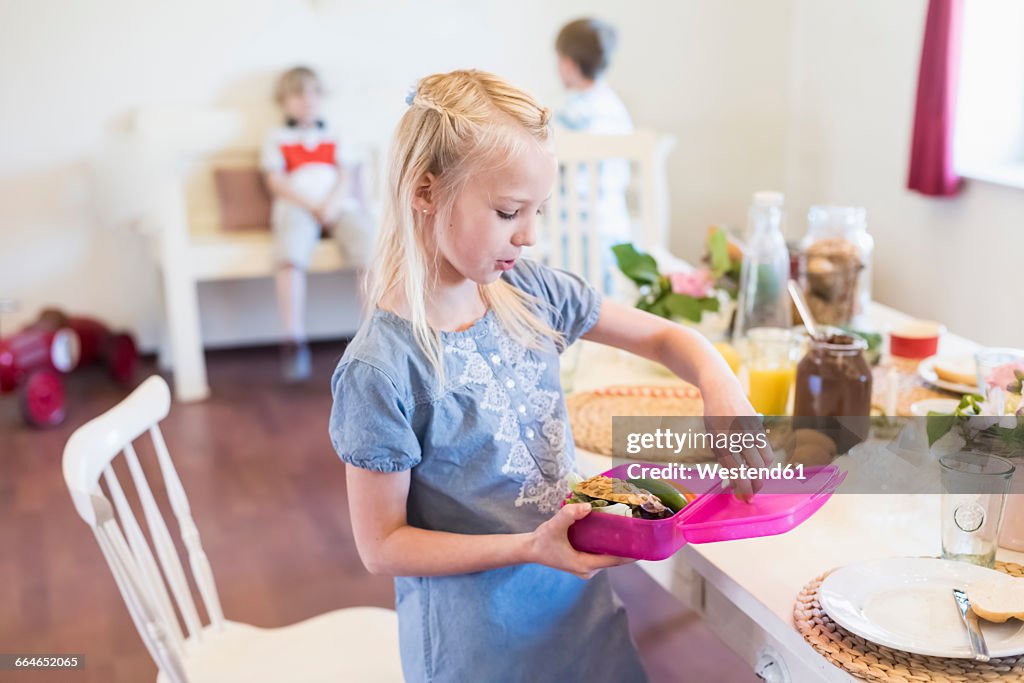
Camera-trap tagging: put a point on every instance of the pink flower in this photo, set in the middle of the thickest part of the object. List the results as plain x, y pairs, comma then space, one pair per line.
696, 283
1001, 376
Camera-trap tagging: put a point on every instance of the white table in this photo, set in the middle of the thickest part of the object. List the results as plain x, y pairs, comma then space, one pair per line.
745, 590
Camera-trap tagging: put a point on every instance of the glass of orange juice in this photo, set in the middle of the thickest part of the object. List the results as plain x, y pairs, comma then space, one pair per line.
771, 368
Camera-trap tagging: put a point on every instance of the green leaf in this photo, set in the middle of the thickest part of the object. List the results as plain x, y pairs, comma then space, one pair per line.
659, 309
685, 307
874, 339
718, 247
688, 307
1017, 433
710, 303
970, 401
939, 425
639, 267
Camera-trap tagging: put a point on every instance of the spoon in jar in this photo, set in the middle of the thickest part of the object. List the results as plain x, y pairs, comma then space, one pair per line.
803, 309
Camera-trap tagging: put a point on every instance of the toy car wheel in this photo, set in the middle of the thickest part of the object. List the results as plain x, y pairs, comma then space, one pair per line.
123, 359
42, 399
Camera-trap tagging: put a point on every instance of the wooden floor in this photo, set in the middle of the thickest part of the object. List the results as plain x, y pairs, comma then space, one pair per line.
268, 495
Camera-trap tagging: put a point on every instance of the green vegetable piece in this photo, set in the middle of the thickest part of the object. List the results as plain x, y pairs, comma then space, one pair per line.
669, 495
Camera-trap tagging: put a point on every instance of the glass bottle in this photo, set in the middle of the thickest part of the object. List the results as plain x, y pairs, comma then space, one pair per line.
763, 300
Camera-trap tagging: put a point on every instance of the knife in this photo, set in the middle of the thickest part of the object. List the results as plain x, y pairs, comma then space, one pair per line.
978, 647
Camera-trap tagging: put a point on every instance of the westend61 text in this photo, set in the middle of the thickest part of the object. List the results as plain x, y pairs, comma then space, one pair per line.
705, 471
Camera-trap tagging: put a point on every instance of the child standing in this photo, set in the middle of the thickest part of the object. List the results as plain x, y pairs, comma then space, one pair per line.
448, 410
303, 168
585, 48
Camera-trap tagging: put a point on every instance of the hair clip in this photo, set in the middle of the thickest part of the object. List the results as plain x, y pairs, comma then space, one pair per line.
410, 95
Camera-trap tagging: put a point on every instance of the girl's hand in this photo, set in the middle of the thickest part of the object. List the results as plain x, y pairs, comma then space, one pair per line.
727, 410
549, 545
692, 357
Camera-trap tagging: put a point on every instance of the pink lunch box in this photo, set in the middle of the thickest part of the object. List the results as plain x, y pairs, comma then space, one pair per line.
715, 515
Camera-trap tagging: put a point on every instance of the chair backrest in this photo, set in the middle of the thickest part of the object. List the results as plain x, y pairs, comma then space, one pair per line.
141, 578
579, 206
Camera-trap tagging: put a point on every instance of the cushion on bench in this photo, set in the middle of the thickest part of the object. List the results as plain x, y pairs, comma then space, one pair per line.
243, 199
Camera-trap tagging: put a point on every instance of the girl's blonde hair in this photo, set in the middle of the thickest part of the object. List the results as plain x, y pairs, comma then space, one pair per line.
457, 123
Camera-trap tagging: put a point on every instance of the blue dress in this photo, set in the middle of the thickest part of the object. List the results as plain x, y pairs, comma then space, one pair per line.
489, 453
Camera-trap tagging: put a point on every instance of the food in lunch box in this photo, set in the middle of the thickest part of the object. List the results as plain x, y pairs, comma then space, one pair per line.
620, 497
669, 495
994, 601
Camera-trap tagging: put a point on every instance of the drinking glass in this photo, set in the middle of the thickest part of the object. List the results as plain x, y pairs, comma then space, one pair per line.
974, 487
771, 368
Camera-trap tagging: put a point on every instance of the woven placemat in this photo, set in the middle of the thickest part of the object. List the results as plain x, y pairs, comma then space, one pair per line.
911, 386
871, 662
591, 412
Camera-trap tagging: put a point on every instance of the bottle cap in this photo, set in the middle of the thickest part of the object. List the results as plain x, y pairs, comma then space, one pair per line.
769, 198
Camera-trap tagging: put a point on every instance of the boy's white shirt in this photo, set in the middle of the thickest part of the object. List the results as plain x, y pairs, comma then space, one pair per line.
314, 180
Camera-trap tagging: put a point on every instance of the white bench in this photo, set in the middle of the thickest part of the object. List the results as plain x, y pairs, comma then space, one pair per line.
182, 150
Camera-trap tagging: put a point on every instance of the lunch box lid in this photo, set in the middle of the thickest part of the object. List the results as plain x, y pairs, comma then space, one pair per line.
781, 504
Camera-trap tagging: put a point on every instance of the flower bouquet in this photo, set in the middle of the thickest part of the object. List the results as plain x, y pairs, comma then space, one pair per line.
700, 297
993, 423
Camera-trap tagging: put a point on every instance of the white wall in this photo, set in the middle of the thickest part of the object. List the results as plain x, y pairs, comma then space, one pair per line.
74, 71
854, 82
810, 96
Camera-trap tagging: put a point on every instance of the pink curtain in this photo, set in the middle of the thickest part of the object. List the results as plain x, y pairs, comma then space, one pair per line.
931, 155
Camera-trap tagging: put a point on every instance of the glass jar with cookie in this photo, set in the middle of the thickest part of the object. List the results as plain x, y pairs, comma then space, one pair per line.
835, 264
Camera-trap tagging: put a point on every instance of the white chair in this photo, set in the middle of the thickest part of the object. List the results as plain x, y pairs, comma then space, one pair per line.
572, 234
358, 644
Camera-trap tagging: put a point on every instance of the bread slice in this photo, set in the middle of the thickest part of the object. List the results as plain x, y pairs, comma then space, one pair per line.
958, 369
997, 601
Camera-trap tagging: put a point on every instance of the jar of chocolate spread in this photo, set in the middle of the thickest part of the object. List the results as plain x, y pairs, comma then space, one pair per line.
833, 385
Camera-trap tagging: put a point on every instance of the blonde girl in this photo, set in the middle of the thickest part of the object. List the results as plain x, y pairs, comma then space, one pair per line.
448, 410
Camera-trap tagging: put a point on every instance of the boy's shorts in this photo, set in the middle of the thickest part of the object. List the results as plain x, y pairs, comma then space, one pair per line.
297, 232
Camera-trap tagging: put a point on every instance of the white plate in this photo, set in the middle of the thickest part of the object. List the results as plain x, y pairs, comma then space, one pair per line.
938, 405
926, 370
906, 603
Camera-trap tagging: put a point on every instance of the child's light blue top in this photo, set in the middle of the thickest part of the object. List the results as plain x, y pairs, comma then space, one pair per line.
489, 453
597, 110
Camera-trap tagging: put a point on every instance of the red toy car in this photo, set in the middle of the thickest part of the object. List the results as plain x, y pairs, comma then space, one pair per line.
35, 357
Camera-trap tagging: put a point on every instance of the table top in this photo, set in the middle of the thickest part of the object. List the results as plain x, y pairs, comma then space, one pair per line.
763, 576
600, 366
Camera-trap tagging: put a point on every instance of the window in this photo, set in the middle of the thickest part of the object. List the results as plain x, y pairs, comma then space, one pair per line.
989, 133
